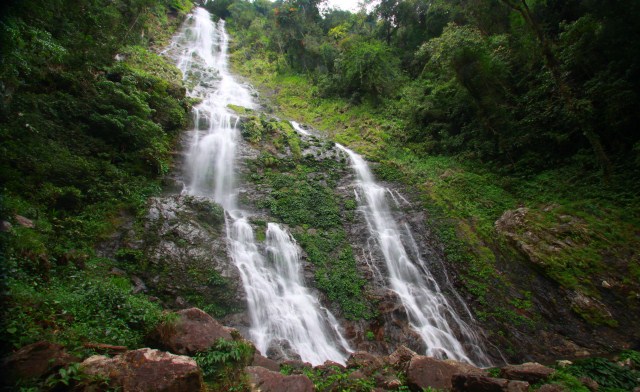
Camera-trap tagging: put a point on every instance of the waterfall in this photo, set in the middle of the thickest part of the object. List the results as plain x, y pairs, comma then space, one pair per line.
429, 312
282, 310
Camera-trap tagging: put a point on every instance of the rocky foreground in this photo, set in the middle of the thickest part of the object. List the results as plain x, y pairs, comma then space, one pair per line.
169, 365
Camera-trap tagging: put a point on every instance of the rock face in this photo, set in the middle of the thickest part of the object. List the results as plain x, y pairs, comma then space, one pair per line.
194, 331
530, 371
425, 372
265, 380
34, 361
259, 360
146, 370
179, 255
476, 383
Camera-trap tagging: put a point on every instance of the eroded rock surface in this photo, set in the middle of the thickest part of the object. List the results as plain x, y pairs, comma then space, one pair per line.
265, 380
34, 361
427, 372
193, 331
146, 370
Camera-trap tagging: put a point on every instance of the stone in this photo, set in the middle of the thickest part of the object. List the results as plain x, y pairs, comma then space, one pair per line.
401, 358
590, 383
194, 331
366, 362
477, 383
281, 350
34, 361
5, 227
145, 370
24, 222
531, 372
563, 363
259, 360
265, 380
139, 286
427, 372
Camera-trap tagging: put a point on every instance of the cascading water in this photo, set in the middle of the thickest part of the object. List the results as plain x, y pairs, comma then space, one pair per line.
429, 312
281, 308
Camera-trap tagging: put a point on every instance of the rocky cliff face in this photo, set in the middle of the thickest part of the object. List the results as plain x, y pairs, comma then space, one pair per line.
178, 252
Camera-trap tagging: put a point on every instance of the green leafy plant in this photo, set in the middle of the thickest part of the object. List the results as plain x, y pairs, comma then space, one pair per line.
222, 364
607, 374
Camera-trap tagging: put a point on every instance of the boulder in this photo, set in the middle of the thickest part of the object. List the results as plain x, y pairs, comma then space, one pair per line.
590, 383
146, 370
265, 380
401, 358
194, 331
477, 383
280, 350
366, 362
532, 372
427, 372
259, 360
35, 361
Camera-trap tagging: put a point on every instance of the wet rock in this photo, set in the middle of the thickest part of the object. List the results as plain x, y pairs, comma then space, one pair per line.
259, 360
366, 362
138, 285
476, 383
401, 358
590, 309
531, 371
184, 247
34, 361
425, 372
146, 370
265, 380
194, 331
281, 350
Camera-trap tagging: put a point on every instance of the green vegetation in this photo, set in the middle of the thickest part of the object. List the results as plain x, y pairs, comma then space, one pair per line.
334, 378
481, 108
85, 140
223, 364
302, 195
74, 306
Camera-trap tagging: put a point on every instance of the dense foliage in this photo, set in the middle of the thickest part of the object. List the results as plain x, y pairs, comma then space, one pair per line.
480, 108
84, 137
525, 85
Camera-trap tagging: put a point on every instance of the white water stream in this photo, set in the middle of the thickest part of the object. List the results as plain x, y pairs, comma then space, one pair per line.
429, 312
281, 308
